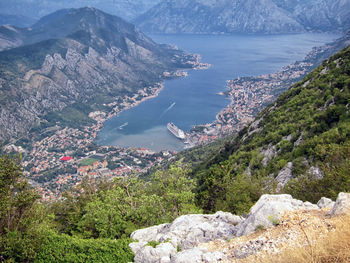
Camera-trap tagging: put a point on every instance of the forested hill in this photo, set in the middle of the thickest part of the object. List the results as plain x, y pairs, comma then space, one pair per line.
298, 145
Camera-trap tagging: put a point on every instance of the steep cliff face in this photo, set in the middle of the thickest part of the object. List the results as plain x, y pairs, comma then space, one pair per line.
263, 16
83, 54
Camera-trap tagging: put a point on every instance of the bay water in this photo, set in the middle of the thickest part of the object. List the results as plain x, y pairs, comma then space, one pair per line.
193, 100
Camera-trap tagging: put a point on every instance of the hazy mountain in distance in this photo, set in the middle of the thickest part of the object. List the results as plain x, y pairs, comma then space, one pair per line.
10, 37
321, 15
16, 20
81, 56
246, 16
127, 9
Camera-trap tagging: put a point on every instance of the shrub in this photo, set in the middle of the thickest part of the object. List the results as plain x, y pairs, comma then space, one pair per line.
64, 248
153, 243
274, 220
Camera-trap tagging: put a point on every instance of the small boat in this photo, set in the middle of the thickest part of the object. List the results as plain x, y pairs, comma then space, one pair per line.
122, 126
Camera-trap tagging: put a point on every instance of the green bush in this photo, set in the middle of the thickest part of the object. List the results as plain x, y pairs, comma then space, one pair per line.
23, 221
153, 243
64, 248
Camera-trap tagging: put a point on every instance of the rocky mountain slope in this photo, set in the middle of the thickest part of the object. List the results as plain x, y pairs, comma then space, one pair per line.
38, 8
80, 56
238, 16
274, 224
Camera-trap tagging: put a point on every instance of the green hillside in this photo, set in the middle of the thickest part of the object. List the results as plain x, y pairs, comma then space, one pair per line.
307, 130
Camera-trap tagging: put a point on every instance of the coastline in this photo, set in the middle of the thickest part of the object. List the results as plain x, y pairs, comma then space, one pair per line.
46, 164
250, 95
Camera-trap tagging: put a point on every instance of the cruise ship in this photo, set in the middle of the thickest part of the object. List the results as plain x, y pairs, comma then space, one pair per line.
176, 131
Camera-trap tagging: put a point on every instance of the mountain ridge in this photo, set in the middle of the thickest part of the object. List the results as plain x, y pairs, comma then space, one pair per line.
263, 16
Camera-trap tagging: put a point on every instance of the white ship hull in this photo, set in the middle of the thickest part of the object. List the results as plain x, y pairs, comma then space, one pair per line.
176, 131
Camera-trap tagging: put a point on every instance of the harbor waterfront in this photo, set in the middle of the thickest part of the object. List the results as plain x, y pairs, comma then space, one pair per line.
197, 99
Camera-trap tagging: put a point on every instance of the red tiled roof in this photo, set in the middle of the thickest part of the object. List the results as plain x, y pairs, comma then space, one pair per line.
66, 158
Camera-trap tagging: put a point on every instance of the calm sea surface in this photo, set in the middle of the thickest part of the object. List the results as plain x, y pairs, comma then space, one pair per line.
194, 100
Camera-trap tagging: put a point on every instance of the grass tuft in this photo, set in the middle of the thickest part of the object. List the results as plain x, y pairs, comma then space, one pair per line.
333, 248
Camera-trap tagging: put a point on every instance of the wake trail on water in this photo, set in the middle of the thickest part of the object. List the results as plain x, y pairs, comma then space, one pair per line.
168, 109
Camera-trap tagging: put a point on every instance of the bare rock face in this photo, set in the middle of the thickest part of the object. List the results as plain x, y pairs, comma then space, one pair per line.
147, 254
193, 255
316, 172
342, 205
269, 153
183, 234
284, 176
268, 210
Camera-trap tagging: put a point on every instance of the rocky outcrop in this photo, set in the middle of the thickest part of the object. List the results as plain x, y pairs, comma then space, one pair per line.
268, 153
183, 234
325, 203
268, 211
248, 16
284, 176
184, 239
342, 205
224, 237
315, 172
197, 255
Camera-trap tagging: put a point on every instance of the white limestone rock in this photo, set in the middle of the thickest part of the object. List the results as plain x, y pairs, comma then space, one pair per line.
147, 254
325, 202
316, 172
268, 153
188, 256
213, 257
342, 205
284, 176
268, 210
299, 141
185, 232
150, 233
